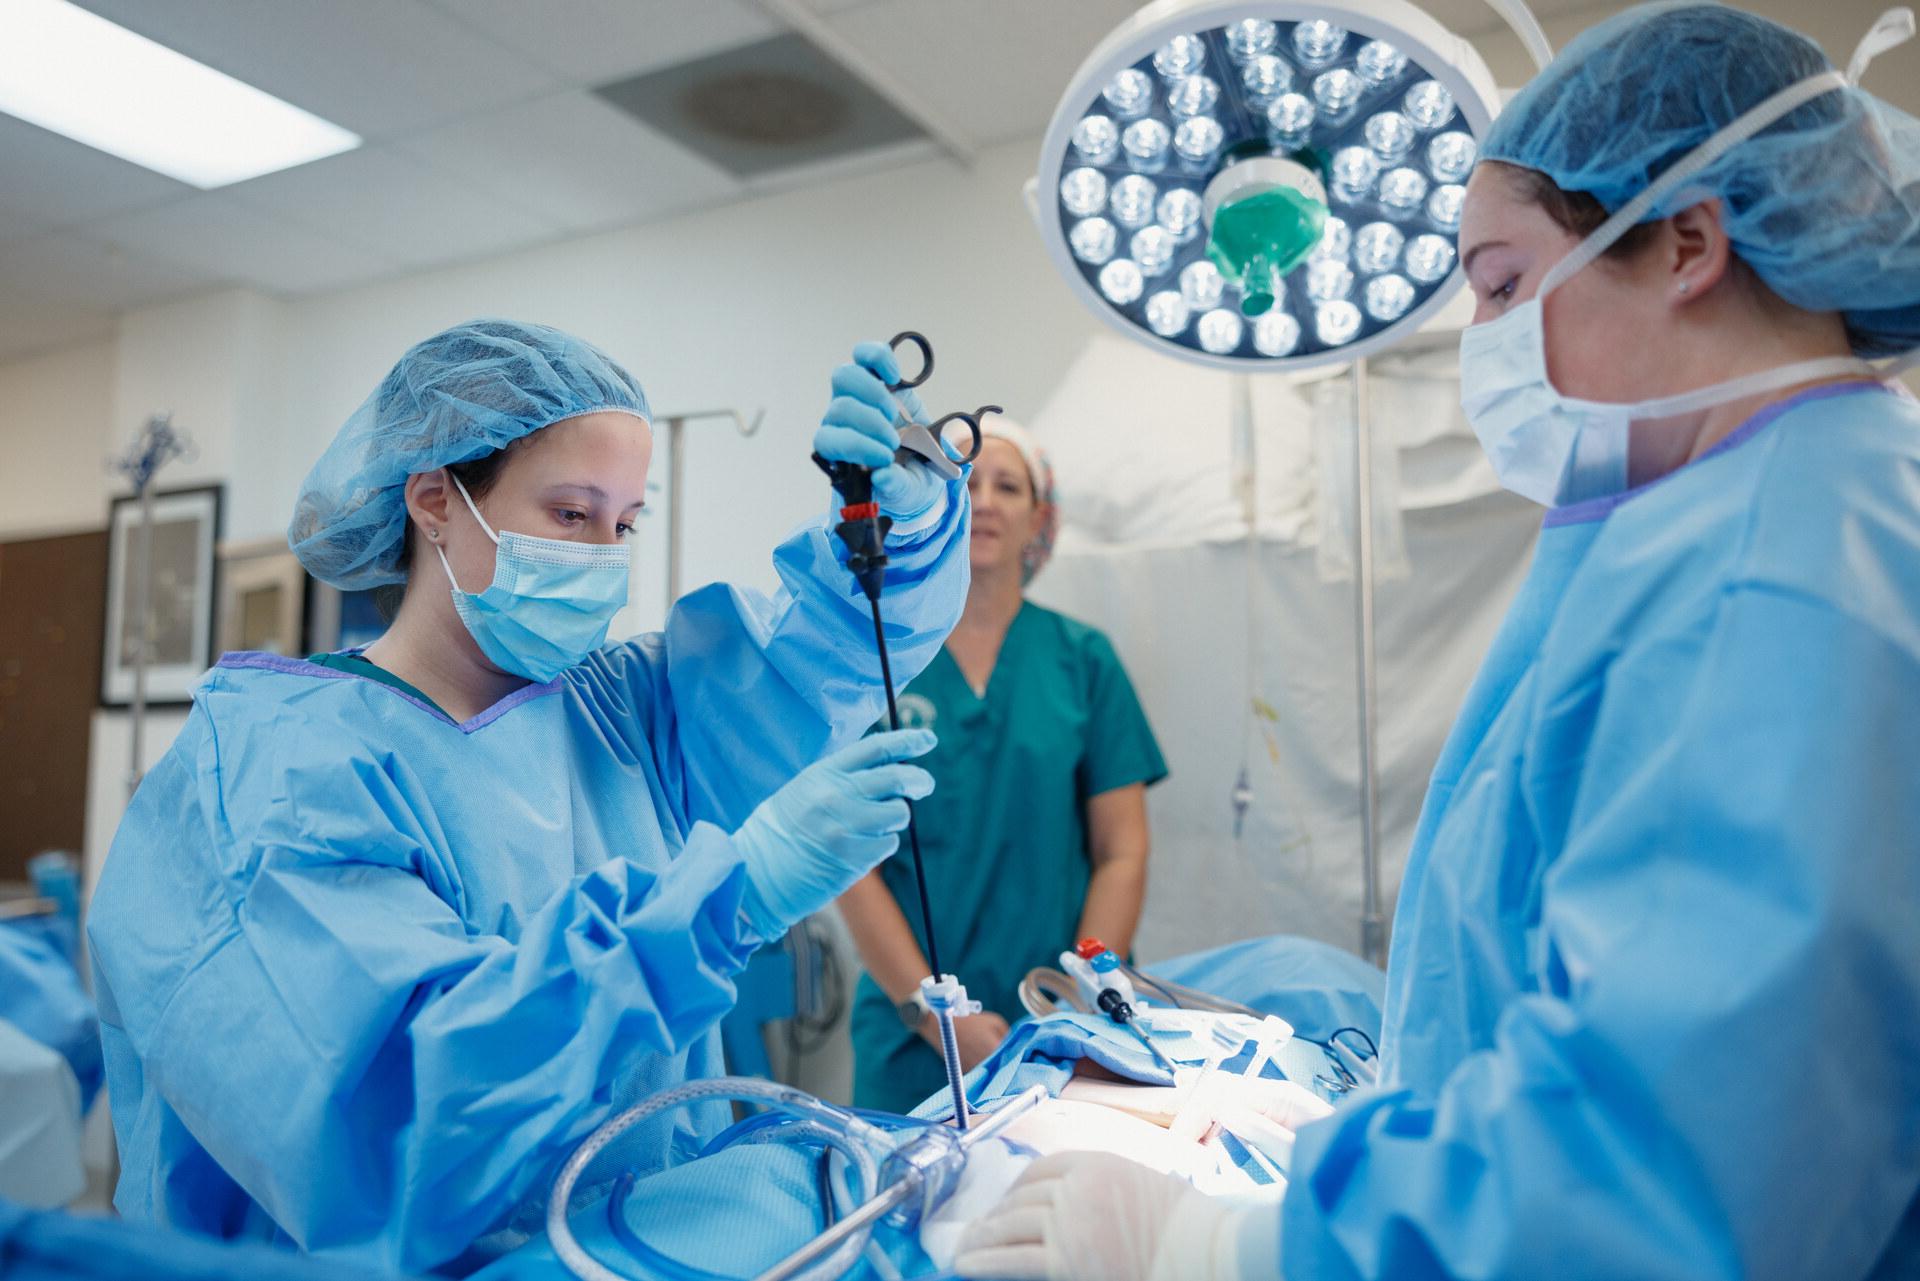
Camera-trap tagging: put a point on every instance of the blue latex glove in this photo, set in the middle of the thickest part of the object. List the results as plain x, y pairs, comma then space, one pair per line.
858, 428
812, 839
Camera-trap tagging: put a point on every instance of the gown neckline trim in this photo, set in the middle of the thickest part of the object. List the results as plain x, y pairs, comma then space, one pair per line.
1595, 509
301, 667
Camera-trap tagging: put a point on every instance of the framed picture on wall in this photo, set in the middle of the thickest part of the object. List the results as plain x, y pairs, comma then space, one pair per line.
186, 530
263, 599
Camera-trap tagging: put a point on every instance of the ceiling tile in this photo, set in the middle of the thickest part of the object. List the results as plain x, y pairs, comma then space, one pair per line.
575, 159
219, 234
92, 273
588, 42
1002, 64
378, 67
393, 206
55, 182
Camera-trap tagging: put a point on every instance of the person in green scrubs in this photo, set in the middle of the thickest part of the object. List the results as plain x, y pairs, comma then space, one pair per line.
1036, 833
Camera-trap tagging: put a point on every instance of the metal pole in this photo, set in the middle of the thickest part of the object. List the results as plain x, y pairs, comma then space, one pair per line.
140, 627
1373, 926
157, 445
676, 475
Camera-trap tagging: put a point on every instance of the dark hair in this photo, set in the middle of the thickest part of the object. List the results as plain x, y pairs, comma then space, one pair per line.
1578, 212
479, 475
1581, 213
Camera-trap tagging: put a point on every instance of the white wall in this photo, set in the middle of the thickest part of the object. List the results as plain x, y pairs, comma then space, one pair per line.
55, 421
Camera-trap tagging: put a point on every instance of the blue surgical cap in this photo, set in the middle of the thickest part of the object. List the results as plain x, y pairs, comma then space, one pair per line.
457, 396
1824, 204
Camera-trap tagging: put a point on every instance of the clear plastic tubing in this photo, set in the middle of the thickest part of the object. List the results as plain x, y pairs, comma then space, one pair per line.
842, 1131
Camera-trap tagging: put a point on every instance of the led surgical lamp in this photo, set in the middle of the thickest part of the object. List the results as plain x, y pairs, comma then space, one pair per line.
1267, 186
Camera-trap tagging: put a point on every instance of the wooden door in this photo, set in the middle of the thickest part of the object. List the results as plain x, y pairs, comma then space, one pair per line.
52, 612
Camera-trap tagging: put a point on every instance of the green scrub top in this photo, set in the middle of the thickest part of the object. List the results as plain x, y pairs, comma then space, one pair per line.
1004, 833
360, 665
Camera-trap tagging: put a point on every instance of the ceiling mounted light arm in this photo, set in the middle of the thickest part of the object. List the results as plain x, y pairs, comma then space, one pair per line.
1527, 27
1162, 193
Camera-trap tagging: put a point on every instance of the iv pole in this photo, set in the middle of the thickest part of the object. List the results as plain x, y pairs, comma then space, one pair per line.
158, 444
1373, 926
677, 474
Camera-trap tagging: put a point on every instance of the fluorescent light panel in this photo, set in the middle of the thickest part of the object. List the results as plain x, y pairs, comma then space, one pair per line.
77, 74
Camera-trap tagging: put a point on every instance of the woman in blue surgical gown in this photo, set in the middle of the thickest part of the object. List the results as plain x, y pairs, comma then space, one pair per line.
1653, 1002
387, 932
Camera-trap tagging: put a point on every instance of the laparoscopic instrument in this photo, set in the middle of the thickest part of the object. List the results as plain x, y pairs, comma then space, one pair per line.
1104, 985
863, 529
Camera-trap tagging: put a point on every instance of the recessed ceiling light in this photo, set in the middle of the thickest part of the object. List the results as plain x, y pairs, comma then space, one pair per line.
77, 74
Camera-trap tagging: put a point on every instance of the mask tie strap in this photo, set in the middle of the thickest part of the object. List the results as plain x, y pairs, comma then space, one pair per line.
475, 510
1891, 29
1753, 384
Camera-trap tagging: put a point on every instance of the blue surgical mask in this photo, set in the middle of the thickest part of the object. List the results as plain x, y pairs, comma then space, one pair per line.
550, 601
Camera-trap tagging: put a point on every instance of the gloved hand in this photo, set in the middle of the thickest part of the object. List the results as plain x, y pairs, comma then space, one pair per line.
827, 828
1284, 1103
858, 428
1090, 1216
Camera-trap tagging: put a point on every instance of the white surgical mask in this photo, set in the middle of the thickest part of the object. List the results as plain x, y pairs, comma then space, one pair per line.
1557, 449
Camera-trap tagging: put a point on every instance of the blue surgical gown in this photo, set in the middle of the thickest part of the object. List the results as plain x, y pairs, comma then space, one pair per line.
1653, 1004
365, 974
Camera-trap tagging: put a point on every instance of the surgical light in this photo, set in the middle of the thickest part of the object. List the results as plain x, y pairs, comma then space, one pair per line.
1084, 192
1120, 281
1429, 258
1093, 240
1290, 117
1336, 91
1193, 95
1266, 77
1390, 134
1179, 212
1444, 206
1220, 330
1251, 38
1095, 139
1325, 224
1167, 313
1131, 94
1197, 139
1132, 202
81, 76
1317, 42
1302, 150
1376, 248
1202, 285
1146, 144
1153, 249
1450, 157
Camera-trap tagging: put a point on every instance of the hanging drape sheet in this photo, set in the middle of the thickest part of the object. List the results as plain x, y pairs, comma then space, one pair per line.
1255, 663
